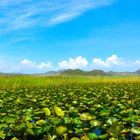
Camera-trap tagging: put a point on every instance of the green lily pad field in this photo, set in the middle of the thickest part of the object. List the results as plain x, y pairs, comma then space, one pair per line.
66, 108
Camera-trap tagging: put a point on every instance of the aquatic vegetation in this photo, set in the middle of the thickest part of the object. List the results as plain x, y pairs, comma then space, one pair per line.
106, 110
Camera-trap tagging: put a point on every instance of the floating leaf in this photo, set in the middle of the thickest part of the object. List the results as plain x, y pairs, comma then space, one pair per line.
95, 123
59, 112
2, 135
104, 136
29, 125
67, 120
76, 120
3, 125
86, 117
111, 120
74, 138
92, 135
47, 111
79, 130
61, 130
135, 130
41, 122
30, 131
55, 120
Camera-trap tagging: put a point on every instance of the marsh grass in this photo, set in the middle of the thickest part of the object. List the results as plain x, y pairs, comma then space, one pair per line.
42, 81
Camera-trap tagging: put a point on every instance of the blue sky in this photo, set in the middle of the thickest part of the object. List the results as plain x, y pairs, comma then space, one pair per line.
40, 35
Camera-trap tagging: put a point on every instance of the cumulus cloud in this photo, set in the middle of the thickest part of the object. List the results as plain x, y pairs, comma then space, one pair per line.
21, 14
28, 64
114, 63
137, 62
73, 63
113, 60
25, 62
44, 65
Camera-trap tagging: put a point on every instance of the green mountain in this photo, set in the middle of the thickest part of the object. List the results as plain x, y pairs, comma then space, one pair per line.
137, 72
78, 72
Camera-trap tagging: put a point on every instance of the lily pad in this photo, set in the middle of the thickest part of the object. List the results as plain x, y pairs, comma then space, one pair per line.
47, 111
95, 123
135, 130
59, 112
61, 130
2, 135
111, 120
92, 135
74, 138
86, 117
41, 122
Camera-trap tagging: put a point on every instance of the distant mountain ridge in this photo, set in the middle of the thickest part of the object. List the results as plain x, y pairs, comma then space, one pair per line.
138, 71
79, 72
96, 72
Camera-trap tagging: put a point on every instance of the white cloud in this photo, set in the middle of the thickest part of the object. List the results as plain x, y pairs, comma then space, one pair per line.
44, 65
28, 64
113, 60
137, 62
20, 14
114, 63
99, 62
73, 63
61, 18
